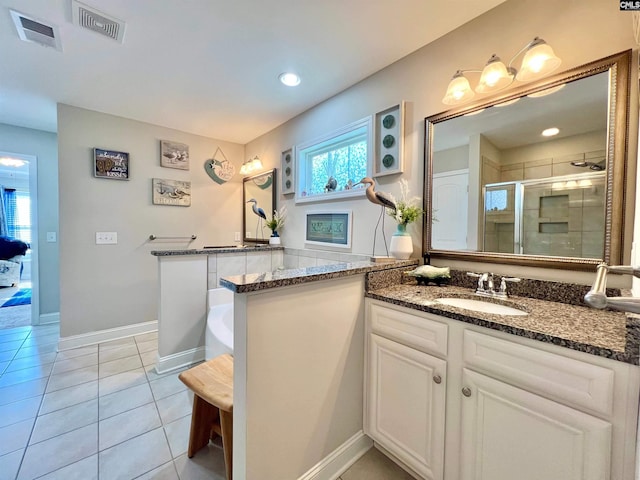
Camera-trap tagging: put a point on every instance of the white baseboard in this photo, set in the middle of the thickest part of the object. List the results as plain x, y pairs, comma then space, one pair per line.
100, 336
181, 359
47, 318
338, 461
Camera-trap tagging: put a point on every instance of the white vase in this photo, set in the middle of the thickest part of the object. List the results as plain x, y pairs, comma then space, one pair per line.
401, 246
274, 239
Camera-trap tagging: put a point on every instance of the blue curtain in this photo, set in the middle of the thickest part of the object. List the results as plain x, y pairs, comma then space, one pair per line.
3, 215
10, 212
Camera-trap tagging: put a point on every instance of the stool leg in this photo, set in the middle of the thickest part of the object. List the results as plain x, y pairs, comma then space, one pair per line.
226, 424
202, 417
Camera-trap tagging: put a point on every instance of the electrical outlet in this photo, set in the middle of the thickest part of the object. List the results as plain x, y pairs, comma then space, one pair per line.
106, 238
237, 237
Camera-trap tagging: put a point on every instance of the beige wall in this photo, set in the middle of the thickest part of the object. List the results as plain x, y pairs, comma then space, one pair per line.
579, 32
44, 146
108, 286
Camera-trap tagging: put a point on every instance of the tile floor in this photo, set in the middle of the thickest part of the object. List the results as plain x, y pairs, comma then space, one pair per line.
101, 412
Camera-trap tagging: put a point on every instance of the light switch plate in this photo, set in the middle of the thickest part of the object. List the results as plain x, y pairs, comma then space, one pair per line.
106, 238
52, 237
237, 237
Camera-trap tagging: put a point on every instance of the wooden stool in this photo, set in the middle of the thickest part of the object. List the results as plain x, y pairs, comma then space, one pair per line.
212, 385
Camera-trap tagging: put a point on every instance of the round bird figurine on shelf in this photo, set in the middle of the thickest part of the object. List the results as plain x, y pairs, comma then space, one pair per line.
259, 212
379, 198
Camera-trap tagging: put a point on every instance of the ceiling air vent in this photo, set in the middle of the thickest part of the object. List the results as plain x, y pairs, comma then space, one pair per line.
97, 21
32, 30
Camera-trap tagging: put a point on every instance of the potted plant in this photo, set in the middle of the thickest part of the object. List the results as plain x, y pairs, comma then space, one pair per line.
407, 211
276, 223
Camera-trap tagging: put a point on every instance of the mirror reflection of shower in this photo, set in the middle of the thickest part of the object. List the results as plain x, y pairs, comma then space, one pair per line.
560, 216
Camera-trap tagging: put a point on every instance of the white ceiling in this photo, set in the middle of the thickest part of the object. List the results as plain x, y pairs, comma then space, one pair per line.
210, 67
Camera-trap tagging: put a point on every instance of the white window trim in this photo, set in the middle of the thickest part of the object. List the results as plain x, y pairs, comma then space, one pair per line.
301, 166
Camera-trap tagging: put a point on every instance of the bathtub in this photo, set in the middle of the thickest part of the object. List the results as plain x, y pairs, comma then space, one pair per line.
219, 334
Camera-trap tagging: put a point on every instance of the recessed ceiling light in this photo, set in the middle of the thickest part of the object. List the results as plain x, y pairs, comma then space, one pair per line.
550, 132
289, 79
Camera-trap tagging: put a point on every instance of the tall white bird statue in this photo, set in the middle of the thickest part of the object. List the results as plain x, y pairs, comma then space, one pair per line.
259, 212
379, 198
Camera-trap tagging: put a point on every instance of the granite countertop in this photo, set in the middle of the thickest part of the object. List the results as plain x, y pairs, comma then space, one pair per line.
212, 250
252, 282
604, 333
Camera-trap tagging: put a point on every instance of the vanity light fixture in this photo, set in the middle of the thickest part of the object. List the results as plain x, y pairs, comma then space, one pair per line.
250, 166
538, 61
550, 132
290, 79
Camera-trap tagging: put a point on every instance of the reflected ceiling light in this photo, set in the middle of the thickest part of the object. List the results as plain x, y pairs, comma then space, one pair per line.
290, 79
11, 162
547, 91
251, 166
550, 132
510, 102
475, 112
538, 61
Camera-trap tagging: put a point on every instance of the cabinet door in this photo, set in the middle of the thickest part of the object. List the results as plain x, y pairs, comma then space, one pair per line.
406, 404
509, 433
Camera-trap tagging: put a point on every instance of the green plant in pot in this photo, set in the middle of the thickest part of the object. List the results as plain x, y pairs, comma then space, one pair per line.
275, 223
407, 211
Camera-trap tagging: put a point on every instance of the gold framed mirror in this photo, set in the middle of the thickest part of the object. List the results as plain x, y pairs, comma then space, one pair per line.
259, 202
497, 191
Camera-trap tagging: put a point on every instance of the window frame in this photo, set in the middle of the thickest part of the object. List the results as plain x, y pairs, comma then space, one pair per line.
321, 143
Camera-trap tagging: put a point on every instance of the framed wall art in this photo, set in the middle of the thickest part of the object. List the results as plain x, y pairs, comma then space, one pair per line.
174, 155
110, 164
329, 229
389, 141
288, 163
171, 192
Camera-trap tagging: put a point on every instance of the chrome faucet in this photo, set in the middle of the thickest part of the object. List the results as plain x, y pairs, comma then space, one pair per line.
597, 296
486, 285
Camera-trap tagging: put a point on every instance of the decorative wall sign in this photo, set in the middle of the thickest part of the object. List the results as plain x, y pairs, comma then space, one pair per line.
389, 141
110, 164
219, 168
329, 228
288, 171
171, 192
174, 155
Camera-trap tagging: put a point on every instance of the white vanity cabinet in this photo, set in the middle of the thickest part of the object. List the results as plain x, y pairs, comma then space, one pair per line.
505, 406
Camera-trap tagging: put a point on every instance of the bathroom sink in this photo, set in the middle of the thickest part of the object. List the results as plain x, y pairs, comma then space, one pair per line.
480, 306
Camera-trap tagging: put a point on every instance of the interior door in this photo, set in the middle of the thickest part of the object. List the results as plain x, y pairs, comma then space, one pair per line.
450, 200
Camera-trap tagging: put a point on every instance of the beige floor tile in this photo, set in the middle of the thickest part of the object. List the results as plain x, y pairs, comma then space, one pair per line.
55, 453
134, 457
107, 355
25, 375
147, 346
178, 435
64, 420
75, 363
175, 406
149, 358
123, 400
206, 464
121, 381
145, 337
116, 343
85, 469
18, 411
127, 425
118, 366
163, 472
374, 465
37, 350
22, 391
33, 340
10, 463
15, 437
28, 362
72, 378
77, 352
166, 386
69, 396
153, 375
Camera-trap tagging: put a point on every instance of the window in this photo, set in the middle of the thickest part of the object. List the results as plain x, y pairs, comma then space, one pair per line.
329, 166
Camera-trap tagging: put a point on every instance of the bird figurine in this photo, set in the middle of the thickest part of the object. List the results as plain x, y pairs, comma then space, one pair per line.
259, 212
331, 185
379, 198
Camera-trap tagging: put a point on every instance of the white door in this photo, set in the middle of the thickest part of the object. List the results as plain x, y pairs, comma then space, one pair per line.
509, 433
450, 200
406, 404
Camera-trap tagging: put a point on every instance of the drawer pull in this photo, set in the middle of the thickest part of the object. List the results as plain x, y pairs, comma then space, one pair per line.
437, 379
466, 391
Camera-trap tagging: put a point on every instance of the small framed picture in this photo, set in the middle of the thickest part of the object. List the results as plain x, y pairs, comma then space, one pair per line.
110, 164
288, 171
174, 155
171, 192
329, 229
389, 141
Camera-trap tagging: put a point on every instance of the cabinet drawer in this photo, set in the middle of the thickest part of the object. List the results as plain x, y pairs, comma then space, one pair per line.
564, 379
412, 330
